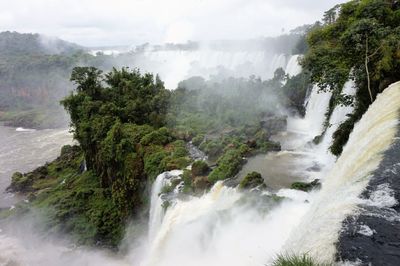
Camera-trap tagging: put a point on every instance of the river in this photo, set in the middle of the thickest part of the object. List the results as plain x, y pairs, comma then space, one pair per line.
24, 150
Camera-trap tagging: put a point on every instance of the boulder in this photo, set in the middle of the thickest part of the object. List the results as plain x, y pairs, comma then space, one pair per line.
274, 124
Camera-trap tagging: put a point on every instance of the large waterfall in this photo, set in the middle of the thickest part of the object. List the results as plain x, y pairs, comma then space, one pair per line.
341, 188
229, 227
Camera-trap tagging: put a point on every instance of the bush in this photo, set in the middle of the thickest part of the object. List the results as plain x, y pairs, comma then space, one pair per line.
251, 180
159, 137
200, 168
198, 139
306, 186
293, 260
228, 166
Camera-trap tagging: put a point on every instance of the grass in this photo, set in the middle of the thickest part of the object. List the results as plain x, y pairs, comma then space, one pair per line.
296, 260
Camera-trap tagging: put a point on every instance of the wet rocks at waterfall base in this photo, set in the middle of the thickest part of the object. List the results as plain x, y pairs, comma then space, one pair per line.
371, 237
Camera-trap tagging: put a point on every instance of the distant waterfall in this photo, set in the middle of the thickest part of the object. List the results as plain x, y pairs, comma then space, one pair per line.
338, 116
293, 67
176, 65
312, 124
372, 135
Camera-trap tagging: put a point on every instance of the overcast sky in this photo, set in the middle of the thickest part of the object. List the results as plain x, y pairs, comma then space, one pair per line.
125, 22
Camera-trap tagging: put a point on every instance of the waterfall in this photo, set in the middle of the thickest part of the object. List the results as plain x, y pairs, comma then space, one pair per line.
307, 128
226, 227
230, 227
176, 65
339, 196
156, 204
293, 67
338, 116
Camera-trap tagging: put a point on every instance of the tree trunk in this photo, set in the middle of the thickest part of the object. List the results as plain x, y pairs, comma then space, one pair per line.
366, 69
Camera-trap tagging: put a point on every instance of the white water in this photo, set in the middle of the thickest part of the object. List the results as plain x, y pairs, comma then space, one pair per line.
218, 229
338, 116
293, 67
24, 150
229, 227
174, 66
222, 228
156, 208
372, 135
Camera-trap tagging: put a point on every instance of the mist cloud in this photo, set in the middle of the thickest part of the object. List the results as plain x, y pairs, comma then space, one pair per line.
100, 22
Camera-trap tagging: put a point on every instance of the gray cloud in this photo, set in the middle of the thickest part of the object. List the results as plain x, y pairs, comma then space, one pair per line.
101, 22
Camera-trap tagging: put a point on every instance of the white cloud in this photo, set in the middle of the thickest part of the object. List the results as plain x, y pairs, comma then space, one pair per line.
101, 22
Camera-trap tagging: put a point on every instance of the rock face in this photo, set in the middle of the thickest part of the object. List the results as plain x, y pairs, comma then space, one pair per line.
274, 124
373, 236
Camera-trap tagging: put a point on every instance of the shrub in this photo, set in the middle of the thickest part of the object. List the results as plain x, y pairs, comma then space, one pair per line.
228, 165
251, 180
294, 260
200, 168
306, 186
198, 139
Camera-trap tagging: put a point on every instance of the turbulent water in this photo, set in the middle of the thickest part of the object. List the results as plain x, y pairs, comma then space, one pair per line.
341, 188
224, 227
227, 226
23, 150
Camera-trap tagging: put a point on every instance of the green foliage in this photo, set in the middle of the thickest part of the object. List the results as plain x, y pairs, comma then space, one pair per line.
117, 119
251, 180
341, 136
200, 168
306, 186
355, 33
198, 139
294, 260
71, 201
228, 166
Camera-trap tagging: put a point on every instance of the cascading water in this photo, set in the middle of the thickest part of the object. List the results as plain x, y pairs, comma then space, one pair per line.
339, 196
338, 116
176, 65
293, 67
225, 227
156, 207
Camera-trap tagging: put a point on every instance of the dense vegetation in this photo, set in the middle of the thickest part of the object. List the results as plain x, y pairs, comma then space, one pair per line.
34, 77
130, 129
358, 40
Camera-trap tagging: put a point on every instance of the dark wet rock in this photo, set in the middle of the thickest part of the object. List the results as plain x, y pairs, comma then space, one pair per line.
252, 143
274, 124
200, 184
20, 182
315, 168
372, 236
304, 186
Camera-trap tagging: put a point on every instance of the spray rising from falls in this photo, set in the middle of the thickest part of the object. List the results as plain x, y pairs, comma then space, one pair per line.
225, 227
176, 65
230, 227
